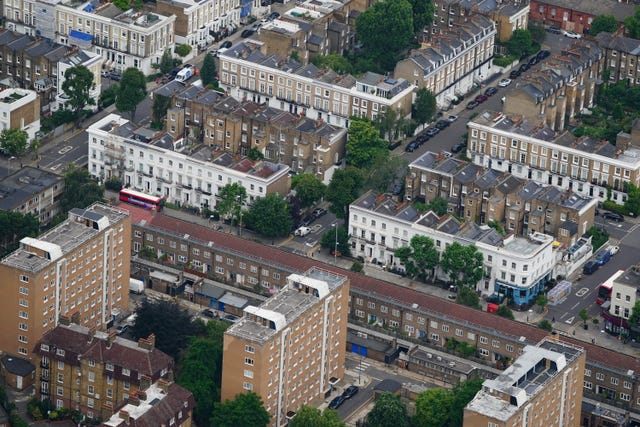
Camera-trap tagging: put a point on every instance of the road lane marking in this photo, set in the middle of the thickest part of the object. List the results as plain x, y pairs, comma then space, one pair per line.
570, 320
575, 306
65, 149
582, 292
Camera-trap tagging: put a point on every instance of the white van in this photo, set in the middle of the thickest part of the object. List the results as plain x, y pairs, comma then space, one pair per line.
302, 231
136, 286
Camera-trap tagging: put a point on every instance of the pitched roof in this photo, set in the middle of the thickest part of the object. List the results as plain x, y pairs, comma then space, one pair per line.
17, 366
362, 284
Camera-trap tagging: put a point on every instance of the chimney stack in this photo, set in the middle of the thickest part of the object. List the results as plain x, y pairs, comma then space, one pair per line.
164, 385
111, 338
147, 343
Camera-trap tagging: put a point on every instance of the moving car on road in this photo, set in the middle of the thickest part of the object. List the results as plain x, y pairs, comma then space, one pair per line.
613, 216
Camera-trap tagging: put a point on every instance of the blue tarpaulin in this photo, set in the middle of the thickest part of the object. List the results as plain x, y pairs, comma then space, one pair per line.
80, 35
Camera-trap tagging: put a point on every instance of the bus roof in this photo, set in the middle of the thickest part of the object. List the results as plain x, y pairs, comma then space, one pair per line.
609, 282
140, 195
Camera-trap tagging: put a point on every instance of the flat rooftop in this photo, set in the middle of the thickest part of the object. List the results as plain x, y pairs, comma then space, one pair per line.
67, 236
289, 303
21, 186
529, 245
530, 372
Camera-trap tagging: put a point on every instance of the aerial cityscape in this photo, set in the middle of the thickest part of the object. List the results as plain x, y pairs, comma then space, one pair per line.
331, 213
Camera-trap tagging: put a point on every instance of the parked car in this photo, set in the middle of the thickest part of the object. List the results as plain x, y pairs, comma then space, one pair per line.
226, 44
302, 231
231, 318
307, 220
246, 33
350, 391
533, 61
481, 98
590, 267
554, 30
504, 82
603, 256
432, 131
441, 124
318, 212
122, 328
456, 148
543, 54
452, 118
471, 105
272, 16
207, 312
115, 76
571, 34
614, 250
514, 74
613, 216
490, 91
495, 298
524, 67
422, 138
337, 402
411, 147
104, 73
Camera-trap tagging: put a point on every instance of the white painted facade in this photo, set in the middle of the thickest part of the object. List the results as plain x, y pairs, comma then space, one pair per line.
13, 99
93, 62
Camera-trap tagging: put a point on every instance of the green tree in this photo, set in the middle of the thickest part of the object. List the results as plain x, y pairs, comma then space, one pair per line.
80, 190
182, 50
34, 147
538, 33
13, 227
13, 141
469, 297
423, 11
386, 28
462, 264
343, 189
270, 216
232, 198
497, 226
166, 62
439, 205
463, 393
584, 315
329, 240
208, 73
255, 154
132, 90
159, 110
606, 23
520, 43
420, 257
170, 323
246, 410
433, 408
308, 416
504, 311
335, 61
364, 144
424, 107
634, 319
541, 301
632, 204
385, 171
632, 24
546, 325
388, 411
78, 81
109, 95
201, 370
308, 187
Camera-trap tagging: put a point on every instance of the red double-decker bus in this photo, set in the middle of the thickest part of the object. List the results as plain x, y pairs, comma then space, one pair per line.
606, 288
141, 199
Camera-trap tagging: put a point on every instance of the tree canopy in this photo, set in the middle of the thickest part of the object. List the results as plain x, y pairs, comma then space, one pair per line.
13, 227
246, 410
201, 370
634, 319
208, 73
385, 29
166, 62
424, 107
308, 416
270, 216
364, 144
606, 23
423, 11
13, 141
632, 24
159, 109
335, 61
132, 90
78, 81
232, 198
388, 411
170, 323
520, 43
385, 171
329, 240
420, 257
632, 204
309, 188
462, 264
343, 189
433, 408
80, 190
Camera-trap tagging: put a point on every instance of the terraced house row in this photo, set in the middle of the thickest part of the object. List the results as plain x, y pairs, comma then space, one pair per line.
609, 376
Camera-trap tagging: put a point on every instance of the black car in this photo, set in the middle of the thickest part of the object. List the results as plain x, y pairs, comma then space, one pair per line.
590, 267
350, 391
456, 148
307, 220
432, 131
554, 30
246, 33
337, 402
524, 67
490, 91
272, 16
543, 54
471, 105
226, 45
318, 212
411, 147
441, 124
613, 216
422, 138
208, 313
533, 61
514, 74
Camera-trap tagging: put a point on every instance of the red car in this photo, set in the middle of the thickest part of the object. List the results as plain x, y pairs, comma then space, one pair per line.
481, 98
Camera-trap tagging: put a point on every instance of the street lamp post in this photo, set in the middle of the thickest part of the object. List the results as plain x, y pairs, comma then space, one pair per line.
239, 199
335, 249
